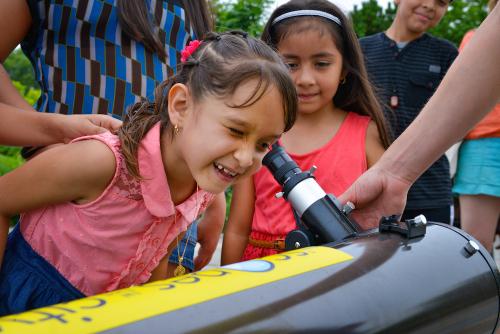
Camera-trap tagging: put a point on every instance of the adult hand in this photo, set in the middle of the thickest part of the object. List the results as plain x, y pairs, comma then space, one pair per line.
376, 193
75, 126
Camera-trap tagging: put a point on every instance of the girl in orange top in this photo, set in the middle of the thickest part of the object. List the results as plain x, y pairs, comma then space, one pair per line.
340, 127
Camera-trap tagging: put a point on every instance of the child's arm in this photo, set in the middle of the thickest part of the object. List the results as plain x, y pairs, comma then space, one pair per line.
239, 223
209, 230
19, 127
374, 146
62, 174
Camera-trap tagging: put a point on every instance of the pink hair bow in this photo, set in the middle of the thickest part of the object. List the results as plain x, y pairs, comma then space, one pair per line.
189, 50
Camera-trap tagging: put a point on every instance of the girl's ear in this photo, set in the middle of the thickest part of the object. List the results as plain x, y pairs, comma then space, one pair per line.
178, 104
343, 75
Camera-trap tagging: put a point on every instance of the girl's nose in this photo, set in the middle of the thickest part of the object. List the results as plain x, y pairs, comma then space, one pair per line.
245, 156
305, 77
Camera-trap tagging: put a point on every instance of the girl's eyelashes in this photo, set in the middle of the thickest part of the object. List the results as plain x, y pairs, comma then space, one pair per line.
236, 132
291, 66
323, 64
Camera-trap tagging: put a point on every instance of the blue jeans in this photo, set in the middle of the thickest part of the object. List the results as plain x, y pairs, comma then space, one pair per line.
186, 247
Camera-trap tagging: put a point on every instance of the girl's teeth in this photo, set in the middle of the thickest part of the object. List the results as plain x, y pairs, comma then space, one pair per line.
225, 170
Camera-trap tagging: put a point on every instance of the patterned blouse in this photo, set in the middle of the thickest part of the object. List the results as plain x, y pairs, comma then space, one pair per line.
85, 63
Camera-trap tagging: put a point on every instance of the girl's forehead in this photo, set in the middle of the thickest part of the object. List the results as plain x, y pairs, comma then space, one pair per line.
302, 25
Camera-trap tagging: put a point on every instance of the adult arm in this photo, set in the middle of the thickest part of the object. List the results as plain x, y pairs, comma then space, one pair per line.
209, 231
239, 222
19, 127
66, 173
467, 93
15, 22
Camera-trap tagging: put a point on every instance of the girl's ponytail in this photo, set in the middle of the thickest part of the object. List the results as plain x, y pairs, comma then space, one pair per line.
141, 117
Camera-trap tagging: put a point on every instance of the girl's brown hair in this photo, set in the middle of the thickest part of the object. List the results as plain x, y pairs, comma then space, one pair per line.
217, 68
356, 94
139, 24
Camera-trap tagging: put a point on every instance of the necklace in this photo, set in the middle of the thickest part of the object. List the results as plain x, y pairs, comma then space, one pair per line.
180, 269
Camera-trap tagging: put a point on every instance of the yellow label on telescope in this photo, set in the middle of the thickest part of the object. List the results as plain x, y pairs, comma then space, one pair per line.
121, 307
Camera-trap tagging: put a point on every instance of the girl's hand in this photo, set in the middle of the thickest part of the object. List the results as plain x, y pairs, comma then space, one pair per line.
376, 193
75, 126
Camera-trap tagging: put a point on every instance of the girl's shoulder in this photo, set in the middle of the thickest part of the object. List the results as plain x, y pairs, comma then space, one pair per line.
354, 120
102, 151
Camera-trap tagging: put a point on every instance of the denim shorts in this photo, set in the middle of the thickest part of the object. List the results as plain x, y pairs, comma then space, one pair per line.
186, 247
478, 169
28, 281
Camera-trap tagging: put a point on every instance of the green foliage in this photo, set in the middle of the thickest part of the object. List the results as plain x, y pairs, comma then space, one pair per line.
20, 69
246, 15
371, 18
29, 94
462, 16
10, 158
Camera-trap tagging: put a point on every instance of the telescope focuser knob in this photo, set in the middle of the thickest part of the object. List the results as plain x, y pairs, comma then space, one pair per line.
279, 195
312, 169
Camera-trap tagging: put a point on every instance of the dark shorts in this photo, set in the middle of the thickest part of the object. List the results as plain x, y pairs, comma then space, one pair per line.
186, 247
28, 281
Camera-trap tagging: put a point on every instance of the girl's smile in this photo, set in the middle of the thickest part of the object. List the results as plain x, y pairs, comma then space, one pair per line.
226, 174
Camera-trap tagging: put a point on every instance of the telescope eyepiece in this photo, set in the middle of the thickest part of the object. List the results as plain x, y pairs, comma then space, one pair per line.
281, 166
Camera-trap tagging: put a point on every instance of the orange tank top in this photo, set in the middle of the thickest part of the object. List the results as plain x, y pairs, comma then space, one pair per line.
490, 124
340, 162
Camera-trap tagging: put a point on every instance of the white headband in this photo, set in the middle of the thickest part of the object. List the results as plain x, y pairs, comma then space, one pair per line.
307, 12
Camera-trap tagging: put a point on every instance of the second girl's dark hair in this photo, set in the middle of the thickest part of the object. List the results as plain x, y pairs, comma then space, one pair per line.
356, 94
140, 25
218, 67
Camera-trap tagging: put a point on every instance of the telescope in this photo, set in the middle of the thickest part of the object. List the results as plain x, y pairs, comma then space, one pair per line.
404, 277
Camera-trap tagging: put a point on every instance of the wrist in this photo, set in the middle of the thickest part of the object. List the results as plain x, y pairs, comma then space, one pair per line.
54, 127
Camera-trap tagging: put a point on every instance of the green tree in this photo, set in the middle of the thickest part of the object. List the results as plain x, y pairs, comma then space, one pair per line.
371, 18
462, 15
247, 15
20, 69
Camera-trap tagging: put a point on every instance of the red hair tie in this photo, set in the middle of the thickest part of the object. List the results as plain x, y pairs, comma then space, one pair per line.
189, 50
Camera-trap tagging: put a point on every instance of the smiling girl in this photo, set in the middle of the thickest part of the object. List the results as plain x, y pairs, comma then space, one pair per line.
101, 212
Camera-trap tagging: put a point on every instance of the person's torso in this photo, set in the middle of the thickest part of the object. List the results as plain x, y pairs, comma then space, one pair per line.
409, 77
339, 163
85, 63
116, 240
